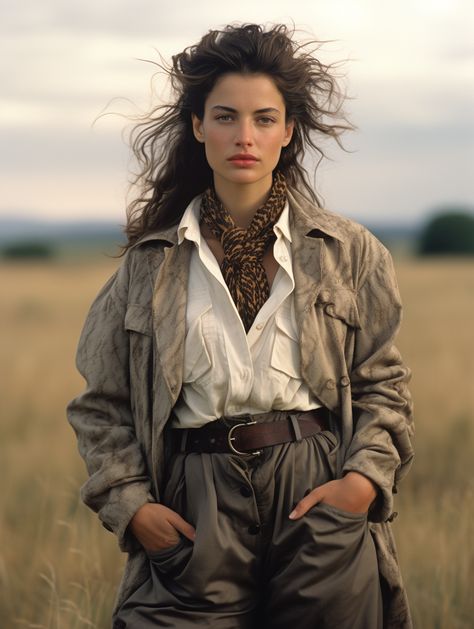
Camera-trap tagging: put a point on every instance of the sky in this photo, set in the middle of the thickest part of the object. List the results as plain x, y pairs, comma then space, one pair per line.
409, 72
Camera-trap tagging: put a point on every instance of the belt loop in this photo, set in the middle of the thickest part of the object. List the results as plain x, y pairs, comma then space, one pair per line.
296, 427
183, 439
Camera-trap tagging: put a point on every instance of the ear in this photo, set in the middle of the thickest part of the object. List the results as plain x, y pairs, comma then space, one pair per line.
288, 132
197, 128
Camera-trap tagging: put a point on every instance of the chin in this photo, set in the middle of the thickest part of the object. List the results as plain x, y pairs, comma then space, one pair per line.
246, 176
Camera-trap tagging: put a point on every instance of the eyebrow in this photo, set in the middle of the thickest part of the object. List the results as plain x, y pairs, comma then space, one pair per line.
264, 110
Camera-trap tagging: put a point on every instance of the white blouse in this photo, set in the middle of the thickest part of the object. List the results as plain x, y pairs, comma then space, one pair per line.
226, 370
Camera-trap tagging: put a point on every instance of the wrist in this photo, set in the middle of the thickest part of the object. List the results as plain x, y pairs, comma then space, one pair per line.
140, 515
361, 486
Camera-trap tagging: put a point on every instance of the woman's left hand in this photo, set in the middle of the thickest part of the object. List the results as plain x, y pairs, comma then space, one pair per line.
353, 492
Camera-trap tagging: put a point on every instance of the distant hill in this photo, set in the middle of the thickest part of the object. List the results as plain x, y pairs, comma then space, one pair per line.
13, 229
99, 235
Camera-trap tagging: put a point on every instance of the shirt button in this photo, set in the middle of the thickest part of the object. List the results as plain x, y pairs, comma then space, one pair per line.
246, 491
254, 529
283, 258
259, 326
345, 381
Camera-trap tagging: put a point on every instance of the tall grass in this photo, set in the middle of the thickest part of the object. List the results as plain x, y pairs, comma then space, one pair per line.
59, 568
435, 530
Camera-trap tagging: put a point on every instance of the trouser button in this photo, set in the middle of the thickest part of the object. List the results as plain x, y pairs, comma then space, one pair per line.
254, 529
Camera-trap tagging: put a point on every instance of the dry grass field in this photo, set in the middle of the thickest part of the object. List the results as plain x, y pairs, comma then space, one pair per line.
59, 568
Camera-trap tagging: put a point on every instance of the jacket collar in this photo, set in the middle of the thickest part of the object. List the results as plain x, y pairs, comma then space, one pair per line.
169, 235
306, 217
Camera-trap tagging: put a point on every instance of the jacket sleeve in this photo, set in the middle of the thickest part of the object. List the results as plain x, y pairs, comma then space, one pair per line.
381, 447
118, 483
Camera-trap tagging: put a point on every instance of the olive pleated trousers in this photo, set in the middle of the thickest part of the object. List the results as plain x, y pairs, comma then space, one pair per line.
251, 566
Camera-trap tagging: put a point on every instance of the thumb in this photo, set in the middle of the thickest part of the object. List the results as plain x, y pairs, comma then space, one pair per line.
182, 526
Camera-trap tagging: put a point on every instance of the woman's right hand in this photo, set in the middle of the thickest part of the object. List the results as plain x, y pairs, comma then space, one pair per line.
156, 527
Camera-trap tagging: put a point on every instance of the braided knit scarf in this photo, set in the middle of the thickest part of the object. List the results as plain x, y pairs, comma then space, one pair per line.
242, 267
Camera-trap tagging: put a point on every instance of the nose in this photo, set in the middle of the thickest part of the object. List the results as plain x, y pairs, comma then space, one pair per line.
244, 135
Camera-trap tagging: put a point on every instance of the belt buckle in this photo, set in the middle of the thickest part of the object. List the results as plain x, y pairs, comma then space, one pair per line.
230, 438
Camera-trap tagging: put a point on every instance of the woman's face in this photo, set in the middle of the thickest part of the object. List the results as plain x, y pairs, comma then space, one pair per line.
243, 129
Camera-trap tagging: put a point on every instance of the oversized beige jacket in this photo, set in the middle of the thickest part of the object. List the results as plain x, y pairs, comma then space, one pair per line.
131, 355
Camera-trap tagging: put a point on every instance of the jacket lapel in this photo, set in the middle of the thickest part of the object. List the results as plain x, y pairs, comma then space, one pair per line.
169, 315
309, 229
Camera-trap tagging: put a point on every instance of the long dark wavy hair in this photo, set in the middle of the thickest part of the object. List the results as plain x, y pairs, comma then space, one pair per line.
172, 166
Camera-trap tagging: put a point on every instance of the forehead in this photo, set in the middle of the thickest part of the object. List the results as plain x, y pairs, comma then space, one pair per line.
245, 92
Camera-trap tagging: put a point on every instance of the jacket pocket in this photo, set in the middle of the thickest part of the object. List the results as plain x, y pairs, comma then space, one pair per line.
340, 303
139, 327
138, 318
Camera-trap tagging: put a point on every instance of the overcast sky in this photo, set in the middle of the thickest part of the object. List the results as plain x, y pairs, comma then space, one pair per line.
410, 75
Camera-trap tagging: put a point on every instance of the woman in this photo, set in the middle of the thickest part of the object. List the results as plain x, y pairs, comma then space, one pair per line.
246, 419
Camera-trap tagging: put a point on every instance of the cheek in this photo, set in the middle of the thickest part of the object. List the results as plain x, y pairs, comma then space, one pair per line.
213, 148
274, 144
215, 138
274, 139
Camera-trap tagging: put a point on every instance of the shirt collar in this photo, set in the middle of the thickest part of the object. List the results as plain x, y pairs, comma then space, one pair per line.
188, 227
282, 226
304, 216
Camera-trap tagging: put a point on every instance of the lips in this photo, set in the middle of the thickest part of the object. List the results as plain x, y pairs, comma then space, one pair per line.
243, 160
243, 157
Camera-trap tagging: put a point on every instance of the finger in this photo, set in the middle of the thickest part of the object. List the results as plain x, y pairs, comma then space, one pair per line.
306, 504
182, 526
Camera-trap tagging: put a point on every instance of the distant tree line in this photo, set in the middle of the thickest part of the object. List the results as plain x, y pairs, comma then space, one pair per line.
28, 251
448, 233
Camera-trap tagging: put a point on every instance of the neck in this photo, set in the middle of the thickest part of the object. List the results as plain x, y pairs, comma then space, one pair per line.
242, 200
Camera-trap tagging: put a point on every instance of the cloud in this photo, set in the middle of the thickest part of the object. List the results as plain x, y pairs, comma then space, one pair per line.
151, 18
412, 64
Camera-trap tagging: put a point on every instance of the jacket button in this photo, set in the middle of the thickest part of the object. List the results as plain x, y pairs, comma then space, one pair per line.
345, 382
330, 384
254, 529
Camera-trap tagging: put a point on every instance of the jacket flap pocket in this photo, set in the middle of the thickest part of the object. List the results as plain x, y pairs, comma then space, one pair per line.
138, 318
340, 303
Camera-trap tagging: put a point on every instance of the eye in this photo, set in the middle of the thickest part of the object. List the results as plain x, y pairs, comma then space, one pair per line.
225, 117
266, 120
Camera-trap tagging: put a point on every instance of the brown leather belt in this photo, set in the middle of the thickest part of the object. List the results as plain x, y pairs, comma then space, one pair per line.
245, 436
